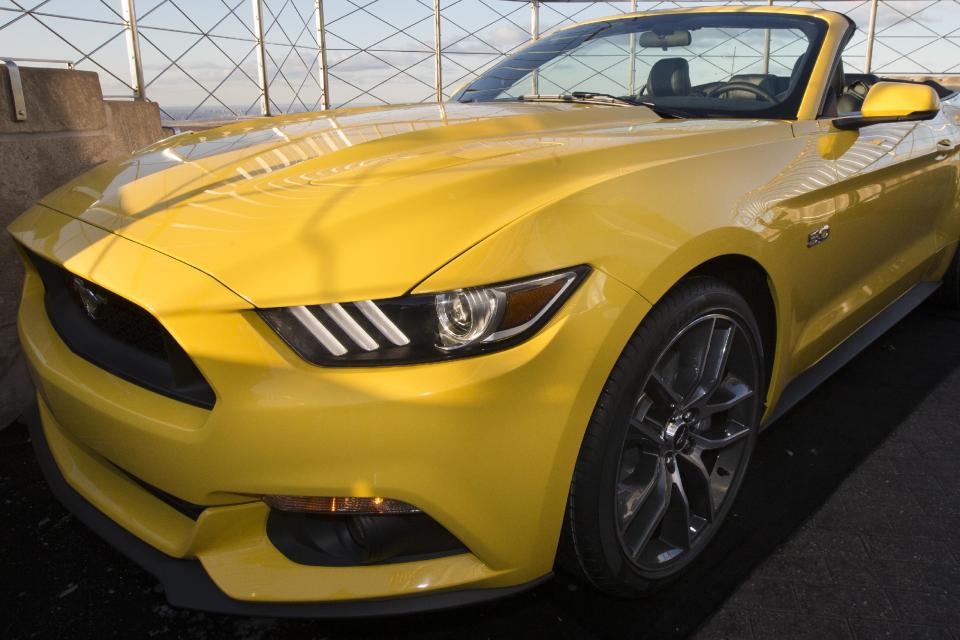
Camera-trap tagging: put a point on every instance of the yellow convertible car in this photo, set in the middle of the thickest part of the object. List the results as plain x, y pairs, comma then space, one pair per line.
391, 359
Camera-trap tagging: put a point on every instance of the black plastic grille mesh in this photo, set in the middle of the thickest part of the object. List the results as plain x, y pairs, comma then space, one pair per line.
119, 318
117, 335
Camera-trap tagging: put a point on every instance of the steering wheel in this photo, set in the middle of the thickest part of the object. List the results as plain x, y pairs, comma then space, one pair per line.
727, 87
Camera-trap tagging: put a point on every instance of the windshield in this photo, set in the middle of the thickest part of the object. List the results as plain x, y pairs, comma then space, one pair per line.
753, 65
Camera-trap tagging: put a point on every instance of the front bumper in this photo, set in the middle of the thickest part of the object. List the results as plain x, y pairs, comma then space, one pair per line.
186, 584
485, 446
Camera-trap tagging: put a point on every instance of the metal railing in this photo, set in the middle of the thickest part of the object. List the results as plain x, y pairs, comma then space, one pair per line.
235, 58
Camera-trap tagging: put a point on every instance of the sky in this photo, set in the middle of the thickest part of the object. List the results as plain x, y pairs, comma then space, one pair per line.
378, 50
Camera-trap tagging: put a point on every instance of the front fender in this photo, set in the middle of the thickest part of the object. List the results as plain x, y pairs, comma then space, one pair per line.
646, 250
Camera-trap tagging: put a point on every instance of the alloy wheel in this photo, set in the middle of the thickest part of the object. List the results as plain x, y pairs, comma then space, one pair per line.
687, 442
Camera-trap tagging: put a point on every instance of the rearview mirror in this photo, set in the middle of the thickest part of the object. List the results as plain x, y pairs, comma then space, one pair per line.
893, 102
679, 38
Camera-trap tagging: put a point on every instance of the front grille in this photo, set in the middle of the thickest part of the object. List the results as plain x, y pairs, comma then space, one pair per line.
119, 336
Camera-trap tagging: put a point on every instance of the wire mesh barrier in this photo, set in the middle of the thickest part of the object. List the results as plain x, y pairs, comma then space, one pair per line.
235, 58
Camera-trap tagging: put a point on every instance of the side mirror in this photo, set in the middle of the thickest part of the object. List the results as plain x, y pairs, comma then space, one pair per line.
893, 102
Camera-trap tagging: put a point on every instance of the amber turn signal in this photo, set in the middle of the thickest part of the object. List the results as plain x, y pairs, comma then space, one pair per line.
342, 504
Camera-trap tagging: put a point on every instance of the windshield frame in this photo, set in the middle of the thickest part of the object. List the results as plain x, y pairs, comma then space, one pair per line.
542, 51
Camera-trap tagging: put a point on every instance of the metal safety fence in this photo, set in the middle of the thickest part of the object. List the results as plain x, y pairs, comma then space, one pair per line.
233, 58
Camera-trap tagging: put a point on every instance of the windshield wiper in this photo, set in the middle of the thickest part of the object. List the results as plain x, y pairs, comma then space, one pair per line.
666, 112
593, 95
605, 98
576, 96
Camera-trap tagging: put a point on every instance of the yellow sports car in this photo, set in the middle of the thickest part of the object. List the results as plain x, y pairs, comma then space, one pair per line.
398, 358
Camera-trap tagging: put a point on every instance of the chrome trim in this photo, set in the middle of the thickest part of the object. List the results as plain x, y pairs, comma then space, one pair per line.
819, 236
350, 326
383, 324
312, 324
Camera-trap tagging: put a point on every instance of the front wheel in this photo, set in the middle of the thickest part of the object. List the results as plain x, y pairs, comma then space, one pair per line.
668, 443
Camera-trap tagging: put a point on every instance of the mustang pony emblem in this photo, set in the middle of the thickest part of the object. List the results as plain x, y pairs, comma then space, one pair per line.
92, 301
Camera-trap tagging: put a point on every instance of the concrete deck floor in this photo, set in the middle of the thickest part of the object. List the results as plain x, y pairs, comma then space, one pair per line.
846, 528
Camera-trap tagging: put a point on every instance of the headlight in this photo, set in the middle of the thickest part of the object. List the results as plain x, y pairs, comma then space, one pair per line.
425, 327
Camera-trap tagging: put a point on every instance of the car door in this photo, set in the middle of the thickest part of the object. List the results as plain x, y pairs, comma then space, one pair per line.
877, 228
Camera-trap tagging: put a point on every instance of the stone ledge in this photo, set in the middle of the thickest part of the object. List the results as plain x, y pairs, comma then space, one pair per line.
134, 124
56, 100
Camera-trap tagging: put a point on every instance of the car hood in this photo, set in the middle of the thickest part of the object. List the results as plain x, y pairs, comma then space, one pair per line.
360, 203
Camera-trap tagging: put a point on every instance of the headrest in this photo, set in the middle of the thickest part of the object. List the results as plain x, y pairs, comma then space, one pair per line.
669, 77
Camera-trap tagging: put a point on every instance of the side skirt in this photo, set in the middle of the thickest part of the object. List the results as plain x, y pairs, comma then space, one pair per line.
806, 382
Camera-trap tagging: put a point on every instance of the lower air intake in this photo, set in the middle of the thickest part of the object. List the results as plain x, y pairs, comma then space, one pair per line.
351, 540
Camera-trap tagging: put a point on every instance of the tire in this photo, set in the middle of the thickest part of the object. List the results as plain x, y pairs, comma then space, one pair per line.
948, 295
651, 484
